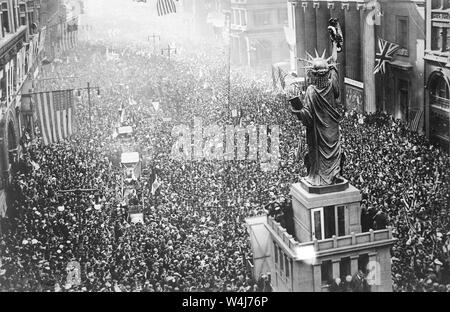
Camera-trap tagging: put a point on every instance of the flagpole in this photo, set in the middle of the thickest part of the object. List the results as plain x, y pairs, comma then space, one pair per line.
89, 103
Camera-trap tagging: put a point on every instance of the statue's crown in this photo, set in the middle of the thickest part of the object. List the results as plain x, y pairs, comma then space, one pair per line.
318, 65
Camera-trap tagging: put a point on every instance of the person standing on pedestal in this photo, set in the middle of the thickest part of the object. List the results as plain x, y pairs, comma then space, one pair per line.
321, 116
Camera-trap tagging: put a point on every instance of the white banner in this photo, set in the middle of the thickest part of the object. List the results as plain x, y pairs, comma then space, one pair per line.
137, 218
3, 207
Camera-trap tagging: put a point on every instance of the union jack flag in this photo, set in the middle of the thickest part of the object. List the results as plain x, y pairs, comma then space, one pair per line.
385, 54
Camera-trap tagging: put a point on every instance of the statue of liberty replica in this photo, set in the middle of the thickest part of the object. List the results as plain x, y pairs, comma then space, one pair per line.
320, 114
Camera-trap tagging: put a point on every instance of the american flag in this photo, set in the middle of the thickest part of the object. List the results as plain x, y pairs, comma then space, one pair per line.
413, 124
278, 78
385, 54
69, 34
165, 7
55, 115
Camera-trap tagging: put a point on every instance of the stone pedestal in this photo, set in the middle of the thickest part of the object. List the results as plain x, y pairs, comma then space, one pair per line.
303, 202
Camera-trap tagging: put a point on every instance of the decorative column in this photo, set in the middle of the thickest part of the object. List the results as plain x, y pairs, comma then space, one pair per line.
352, 50
368, 46
317, 274
249, 51
292, 49
323, 38
354, 264
336, 268
310, 28
299, 22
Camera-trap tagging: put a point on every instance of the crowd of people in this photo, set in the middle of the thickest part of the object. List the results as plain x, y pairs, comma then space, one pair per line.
194, 237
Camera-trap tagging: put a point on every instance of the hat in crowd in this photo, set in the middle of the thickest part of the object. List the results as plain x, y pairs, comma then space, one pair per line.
436, 261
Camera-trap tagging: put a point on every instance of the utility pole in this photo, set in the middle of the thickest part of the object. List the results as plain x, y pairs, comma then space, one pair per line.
89, 102
89, 88
228, 25
169, 50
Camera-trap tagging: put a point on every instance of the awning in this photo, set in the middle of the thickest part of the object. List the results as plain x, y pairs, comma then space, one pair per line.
130, 158
401, 65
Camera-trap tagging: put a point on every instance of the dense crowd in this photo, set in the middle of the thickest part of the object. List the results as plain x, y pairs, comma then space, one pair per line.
194, 237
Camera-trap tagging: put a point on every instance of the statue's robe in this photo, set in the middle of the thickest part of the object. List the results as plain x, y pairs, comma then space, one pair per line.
321, 117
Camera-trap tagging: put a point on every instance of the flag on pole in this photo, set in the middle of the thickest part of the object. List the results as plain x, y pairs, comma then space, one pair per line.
55, 114
42, 39
278, 77
386, 51
165, 7
156, 184
413, 124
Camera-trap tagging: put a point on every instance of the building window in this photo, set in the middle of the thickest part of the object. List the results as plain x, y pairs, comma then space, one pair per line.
363, 261
286, 262
275, 250
439, 96
439, 93
3, 86
327, 272
341, 220
402, 111
317, 223
328, 221
330, 224
439, 4
282, 17
435, 42
262, 18
281, 260
5, 18
344, 268
403, 35
439, 126
243, 18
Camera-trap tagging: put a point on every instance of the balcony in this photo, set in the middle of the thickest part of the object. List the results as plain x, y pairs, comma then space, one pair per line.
11, 39
332, 245
439, 102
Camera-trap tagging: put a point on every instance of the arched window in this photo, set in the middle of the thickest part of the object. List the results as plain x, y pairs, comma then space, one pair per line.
436, 4
439, 92
439, 109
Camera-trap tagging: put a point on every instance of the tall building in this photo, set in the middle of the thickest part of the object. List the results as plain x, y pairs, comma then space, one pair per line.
437, 72
205, 18
398, 91
21, 50
257, 32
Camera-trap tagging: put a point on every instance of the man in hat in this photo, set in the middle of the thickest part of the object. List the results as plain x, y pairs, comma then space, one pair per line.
380, 220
